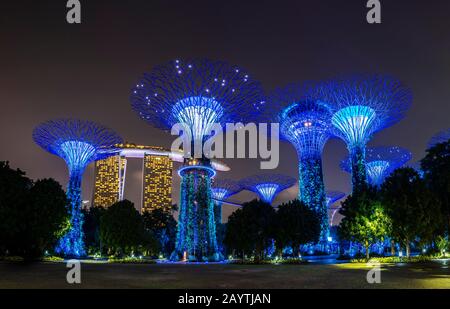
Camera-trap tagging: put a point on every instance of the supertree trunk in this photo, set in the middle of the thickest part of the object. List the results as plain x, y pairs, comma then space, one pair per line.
72, 243
312, 190
358, 163
196, 235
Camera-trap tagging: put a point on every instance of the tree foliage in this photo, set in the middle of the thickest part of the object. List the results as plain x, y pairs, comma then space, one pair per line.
163, 227
365, 220
32, 215
436, 168
250, 229
413, 209
296, 224
121, 228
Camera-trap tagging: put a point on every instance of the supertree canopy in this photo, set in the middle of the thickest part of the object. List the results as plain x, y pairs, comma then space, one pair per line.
79, 143
222, 189
197, 94
267, 186
332, 197
380, 162
439, 138
363, 105
306, 124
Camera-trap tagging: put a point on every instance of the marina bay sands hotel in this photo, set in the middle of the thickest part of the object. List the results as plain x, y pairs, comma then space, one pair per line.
157, 167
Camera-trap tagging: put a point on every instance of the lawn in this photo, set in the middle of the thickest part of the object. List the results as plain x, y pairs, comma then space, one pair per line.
102, 275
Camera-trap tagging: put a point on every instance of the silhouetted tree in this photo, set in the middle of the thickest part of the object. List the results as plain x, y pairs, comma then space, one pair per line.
162, 225
32, 215
413, 209
91, 228
250, 229
436, 168
296, 224
121, 228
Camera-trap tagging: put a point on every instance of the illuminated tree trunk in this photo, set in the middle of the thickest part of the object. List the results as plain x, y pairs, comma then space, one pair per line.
196, 232
72, 244
312, 190
359, 174
392, 247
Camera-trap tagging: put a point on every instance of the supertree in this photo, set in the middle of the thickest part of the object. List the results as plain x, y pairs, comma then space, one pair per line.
197, 94
79, 143
267, 186
380, 162
332, 197
306, 124
439, 138
222, 189
363, 105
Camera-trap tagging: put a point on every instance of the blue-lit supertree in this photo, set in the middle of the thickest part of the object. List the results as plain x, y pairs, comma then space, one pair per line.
363, 105
438, 138
267, 186
222, 189
79, 143
306, 124
333, 197
197, 94
380, 162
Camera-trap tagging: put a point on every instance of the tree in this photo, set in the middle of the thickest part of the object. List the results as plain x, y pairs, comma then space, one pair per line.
33, 215
250, 229
162, 225
91, 228
365, 220
296, 224
121, 228
436, 168
413, 209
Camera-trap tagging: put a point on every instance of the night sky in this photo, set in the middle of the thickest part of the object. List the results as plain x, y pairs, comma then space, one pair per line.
50, 69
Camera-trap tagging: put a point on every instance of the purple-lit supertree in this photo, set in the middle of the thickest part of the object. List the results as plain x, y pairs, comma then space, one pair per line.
196, 94
333, 197
267, 186
222, 189
306, 124
363, 105
79, 143
380, 162
438, 138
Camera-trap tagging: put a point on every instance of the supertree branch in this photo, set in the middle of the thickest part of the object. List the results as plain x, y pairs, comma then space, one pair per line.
438, 138
363, 105
380, 162
267, 186
197, 93
78, 142
333, 197
222, 189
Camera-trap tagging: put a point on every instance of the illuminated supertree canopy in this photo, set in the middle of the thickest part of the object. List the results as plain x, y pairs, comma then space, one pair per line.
222, 189
197, 94
363, 105
333, 197
79, 143
439, 138
380, 162
306, 124
267, 186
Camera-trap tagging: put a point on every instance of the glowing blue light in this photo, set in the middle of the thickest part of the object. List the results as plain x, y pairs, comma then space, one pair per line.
377, 170
78, 143
184, 169
267, 191
355, 123
199, 114
219, 193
